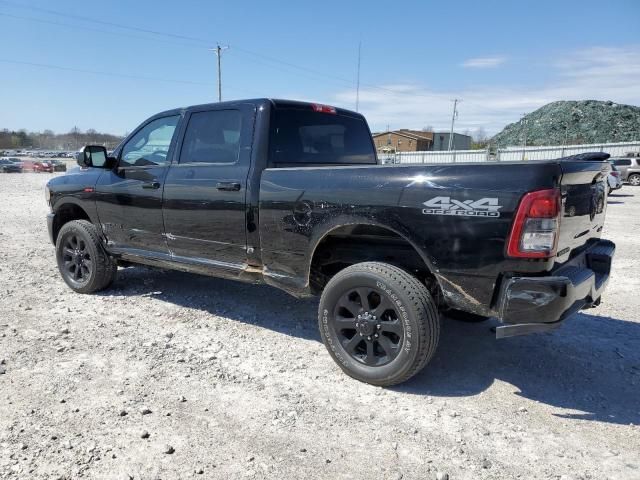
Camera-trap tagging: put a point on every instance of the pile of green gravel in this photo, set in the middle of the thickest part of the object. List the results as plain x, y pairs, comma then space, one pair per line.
574, 122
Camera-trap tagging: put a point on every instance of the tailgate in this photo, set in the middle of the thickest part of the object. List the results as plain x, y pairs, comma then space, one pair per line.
584, 204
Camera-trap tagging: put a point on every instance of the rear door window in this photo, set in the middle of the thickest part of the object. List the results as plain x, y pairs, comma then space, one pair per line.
212, 137
305, 137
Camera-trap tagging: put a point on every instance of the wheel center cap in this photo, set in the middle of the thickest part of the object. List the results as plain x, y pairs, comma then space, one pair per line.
366, 324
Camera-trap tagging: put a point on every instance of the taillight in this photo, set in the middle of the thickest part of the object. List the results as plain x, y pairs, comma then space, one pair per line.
535, 228
615, 174
323, 108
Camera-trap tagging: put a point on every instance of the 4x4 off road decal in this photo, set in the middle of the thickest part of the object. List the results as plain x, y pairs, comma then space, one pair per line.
485, 207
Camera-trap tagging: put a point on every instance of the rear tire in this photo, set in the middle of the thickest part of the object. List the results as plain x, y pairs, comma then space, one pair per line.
379, 323
634, 179
82, 261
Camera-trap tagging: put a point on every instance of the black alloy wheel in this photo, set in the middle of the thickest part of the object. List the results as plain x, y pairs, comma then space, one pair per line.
368, 326
378, 322
78, 264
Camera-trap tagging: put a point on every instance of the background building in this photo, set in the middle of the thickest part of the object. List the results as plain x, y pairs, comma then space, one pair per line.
406, 140
403, 140
460, 142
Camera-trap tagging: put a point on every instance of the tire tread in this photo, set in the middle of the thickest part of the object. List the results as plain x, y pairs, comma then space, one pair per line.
105, 267
421, 303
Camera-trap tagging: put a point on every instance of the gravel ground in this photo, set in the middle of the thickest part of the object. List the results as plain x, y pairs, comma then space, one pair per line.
169, 375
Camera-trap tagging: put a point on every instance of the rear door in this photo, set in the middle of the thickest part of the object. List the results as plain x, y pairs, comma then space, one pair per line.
204, 205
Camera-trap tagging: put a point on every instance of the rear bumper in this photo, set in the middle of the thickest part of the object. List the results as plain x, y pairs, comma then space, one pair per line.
538, 304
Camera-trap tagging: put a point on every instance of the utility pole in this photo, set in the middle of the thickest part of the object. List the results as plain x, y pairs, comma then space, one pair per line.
524, 140
358, 77
218, 51
453, 120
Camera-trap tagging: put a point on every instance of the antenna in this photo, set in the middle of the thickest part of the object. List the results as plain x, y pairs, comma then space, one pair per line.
358, 77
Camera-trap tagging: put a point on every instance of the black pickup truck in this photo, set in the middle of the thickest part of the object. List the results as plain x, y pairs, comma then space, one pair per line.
290, 194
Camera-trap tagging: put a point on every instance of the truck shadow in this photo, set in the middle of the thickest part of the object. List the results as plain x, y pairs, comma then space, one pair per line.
259, 305
591, 364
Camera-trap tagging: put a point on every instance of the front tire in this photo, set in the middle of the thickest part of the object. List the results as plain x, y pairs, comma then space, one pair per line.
379, 323
82, 261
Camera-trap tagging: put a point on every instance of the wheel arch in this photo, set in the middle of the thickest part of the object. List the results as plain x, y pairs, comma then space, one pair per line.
65, 211
379, 239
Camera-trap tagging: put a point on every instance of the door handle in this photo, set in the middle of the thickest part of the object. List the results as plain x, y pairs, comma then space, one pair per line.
228, 186
151, 185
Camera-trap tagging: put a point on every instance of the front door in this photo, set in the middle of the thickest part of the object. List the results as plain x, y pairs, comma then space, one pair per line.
129, 197
205, 188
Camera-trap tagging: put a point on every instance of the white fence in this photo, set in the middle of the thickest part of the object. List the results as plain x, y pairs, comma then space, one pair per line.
509, 154
435, 157
549, 153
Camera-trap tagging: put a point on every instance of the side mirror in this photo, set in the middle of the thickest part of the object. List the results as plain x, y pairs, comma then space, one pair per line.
93, 156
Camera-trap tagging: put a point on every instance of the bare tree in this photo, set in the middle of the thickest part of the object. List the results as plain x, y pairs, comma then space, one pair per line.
480, 135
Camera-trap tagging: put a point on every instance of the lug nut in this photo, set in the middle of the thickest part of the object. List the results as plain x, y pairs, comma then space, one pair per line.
376, 335
378, 326
369, 338
361, 334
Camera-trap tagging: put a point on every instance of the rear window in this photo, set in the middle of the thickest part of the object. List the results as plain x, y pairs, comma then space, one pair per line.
301, 137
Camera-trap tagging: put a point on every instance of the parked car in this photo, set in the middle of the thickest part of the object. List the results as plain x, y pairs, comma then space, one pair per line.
42, 166
7, 166
629, 168
614, 179
16, 160
58, 165
290, 194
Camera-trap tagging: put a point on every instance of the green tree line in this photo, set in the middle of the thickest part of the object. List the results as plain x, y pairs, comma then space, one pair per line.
48, 140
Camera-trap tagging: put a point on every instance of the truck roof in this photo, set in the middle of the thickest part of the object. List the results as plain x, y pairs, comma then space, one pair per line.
276, 102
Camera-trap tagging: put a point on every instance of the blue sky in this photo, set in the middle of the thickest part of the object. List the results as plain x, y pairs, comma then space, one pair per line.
501, 58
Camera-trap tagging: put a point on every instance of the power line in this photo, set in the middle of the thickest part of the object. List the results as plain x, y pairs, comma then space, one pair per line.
82, 27
96, 72
172, 39
102, 22
203, 42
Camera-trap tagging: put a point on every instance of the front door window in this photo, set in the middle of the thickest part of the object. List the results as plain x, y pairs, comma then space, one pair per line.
150, 146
